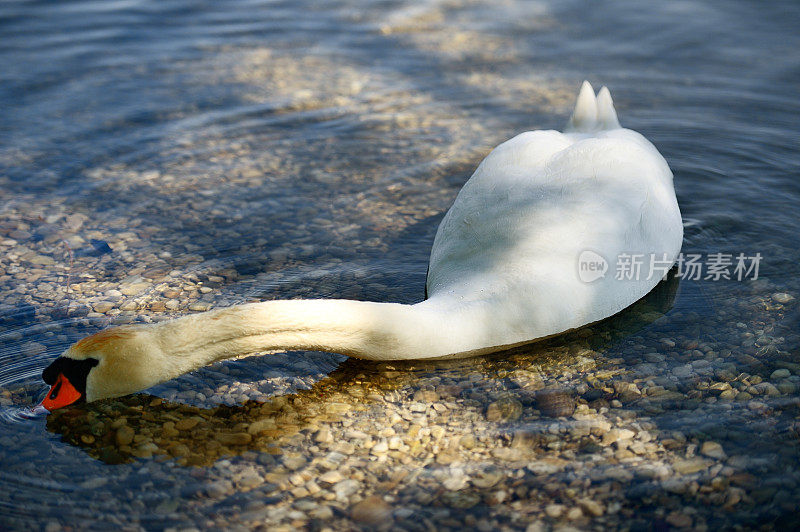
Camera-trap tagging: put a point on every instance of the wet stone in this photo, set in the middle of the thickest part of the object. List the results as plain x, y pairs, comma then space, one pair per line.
236, 438
504, 410
574, 513
330, 478
713, 449
219, 489
372, 510
782, 297
323, 436
679, 520
187, 423
294, 463
780, 374
345, 488
124, 435
690, 465
261, 425
591, 507
555, 403
460, 499
554, 510
487, 478
133, 288
102, 306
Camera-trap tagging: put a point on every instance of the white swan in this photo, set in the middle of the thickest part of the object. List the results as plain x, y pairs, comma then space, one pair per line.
503, 270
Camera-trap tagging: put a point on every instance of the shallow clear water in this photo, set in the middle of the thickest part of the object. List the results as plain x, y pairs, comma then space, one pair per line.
161, 158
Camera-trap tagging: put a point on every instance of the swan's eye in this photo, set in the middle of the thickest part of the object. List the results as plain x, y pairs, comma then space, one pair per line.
54, 390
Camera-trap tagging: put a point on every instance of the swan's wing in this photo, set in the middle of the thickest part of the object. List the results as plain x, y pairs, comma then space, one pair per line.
519, 225
523, 153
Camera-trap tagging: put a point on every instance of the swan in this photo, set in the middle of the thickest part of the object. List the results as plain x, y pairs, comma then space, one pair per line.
504, 269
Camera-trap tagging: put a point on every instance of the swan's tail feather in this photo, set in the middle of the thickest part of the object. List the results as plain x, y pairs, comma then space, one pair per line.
606, 114
593, 113
584, 117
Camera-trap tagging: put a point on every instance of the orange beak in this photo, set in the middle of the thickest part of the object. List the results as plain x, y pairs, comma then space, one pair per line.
61, 394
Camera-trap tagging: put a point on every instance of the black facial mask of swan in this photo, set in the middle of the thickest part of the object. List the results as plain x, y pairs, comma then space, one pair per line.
67, 380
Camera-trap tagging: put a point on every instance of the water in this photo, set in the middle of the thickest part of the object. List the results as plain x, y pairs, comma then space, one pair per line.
198, 155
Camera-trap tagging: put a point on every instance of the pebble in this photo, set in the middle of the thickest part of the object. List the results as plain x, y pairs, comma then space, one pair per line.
487, 479
380, 448
261, 425
591, 507
250, 480
615, 435
323, 436
504, 410
555, 403
782, 297
345, 488
679, 520
690, 465
467, 441
220, 488
186, 423
294, 463
554, 510
782, 373
728, 394
102, 306
129, 306
373, 510
496, 497
455, 482
236, 438
330, 477
42, 260
124, 435
133, 289
322, 513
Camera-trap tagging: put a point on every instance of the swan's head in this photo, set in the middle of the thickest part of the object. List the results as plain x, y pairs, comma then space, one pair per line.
111, 363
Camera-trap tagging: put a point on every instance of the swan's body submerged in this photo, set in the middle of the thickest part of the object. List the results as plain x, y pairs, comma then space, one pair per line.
504, 268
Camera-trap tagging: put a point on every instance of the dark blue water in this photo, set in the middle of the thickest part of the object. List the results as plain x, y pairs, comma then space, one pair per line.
303, 149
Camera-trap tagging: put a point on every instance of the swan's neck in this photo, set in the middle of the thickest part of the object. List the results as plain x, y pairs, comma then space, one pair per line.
348, 327
135, 358
377, 331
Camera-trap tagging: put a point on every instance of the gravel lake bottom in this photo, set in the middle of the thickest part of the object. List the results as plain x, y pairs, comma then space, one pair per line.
158, 160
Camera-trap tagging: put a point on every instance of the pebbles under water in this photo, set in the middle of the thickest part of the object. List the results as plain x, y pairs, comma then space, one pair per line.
215, 156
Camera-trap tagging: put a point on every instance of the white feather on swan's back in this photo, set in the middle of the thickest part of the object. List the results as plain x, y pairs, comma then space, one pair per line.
537, 201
